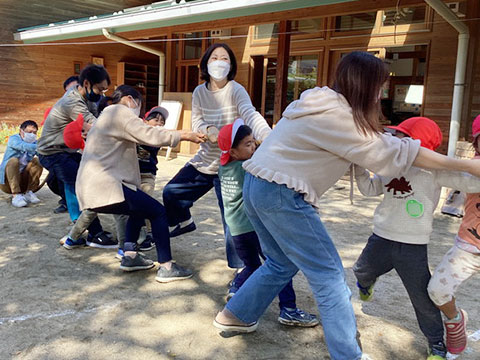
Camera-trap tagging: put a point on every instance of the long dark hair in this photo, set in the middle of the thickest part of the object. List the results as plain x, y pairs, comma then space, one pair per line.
204, 75
359, 77
120, 91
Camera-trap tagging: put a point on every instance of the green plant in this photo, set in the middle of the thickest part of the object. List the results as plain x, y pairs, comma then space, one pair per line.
7, 130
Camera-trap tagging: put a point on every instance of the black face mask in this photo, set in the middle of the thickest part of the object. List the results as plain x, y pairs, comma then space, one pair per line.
91, 96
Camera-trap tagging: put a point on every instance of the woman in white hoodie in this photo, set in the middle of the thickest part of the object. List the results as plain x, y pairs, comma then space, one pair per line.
312, 146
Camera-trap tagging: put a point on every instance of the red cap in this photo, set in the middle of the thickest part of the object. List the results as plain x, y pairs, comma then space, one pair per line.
226, 136
423, 129
72, 134
476, 127
45, 115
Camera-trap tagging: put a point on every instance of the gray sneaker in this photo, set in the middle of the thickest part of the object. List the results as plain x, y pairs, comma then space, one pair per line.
139, 262
176, 272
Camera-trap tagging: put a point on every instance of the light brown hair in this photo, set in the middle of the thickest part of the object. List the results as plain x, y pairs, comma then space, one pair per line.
359, 78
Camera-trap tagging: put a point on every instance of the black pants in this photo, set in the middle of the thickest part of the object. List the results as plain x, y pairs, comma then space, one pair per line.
411, 263
140, 206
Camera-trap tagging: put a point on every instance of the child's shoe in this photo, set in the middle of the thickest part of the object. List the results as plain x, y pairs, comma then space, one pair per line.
72, 244
147, 244
19, 200
297, 317
231, 291
120, 254
366, 293
437, 351
31, 198
457, 333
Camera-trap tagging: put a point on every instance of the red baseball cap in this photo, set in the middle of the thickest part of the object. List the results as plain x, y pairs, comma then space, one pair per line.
476, 127
72, 134
226, 137
423, 129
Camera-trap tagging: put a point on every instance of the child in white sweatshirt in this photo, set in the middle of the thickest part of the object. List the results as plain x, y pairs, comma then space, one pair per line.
402, 225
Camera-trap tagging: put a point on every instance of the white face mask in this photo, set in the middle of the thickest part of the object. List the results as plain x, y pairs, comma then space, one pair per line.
29, 137
136, 109
218, 69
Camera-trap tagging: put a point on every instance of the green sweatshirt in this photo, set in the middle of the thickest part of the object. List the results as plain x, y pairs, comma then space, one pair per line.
231, 180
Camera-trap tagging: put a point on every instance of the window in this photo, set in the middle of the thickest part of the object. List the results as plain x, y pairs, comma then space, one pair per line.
407, 15
355, 22
302, 75
265, 31
193, 48
307, 25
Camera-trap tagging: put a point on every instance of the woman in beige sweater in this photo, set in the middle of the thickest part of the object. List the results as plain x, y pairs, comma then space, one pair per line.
108, 179
312, 146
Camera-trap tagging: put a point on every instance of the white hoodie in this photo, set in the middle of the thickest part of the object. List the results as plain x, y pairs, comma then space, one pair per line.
316, 140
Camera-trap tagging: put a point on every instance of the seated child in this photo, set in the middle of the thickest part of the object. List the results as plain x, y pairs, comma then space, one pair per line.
459, 264
237, 144
402, 225
147, 161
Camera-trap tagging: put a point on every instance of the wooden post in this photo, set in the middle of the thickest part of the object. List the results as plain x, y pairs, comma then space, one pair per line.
283, 52
170, 63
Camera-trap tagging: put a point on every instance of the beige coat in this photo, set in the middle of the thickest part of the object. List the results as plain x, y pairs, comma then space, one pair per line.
110, 156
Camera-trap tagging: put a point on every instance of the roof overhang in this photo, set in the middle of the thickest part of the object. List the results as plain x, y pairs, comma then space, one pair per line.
161, 14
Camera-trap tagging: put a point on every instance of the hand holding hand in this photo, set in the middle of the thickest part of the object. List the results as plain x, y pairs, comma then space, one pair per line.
194, 137
212, 134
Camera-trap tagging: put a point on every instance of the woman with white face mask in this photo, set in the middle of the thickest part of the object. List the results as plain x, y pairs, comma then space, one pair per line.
108, 179
215, 103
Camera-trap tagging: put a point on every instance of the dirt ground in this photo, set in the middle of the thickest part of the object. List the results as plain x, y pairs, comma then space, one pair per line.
78, 304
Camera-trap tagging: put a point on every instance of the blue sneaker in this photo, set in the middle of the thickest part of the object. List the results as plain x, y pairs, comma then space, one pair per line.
120, 254
297, 317
231, 291
72, 244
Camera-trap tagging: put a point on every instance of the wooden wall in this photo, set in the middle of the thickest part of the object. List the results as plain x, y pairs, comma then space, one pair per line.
31, 77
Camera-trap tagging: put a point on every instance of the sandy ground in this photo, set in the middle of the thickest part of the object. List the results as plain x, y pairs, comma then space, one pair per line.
78, 304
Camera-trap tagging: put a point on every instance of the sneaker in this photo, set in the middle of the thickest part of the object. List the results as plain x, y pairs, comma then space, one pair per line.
366, 293
120, 254
147, 244
233, 289
457, 333
102, 240
31, 198
72, 244
437, 351
60, 209
139, 262
176, 272
19, 201
182, 230
297, 317
63, 239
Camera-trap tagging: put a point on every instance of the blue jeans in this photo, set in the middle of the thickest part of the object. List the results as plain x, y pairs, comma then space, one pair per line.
140, 206
64, 166
186, 187
249, 250
411, 263
293, 238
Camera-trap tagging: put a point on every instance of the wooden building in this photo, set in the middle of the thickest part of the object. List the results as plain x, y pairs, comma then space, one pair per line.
282, 46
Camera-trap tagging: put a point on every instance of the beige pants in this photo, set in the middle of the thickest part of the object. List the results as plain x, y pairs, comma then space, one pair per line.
17, 182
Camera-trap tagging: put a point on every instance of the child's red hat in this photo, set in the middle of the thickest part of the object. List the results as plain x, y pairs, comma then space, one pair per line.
226, 137
476, 127
423, 129
72, 134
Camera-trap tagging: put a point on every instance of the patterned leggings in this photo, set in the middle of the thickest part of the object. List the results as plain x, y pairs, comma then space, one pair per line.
456, 266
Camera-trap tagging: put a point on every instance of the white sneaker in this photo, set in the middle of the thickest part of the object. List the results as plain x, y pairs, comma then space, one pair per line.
19, 201
30, 197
